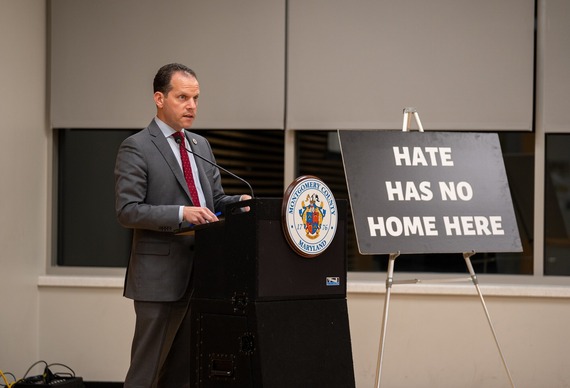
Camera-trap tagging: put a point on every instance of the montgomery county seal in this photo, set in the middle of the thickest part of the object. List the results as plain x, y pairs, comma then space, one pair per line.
310, 216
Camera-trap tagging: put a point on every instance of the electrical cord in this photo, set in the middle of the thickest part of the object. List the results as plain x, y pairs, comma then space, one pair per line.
46, 377
71, 372
7, 384
33, 365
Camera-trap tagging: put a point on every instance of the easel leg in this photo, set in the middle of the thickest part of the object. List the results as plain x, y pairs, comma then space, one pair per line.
467, 257
389, 281
408, 112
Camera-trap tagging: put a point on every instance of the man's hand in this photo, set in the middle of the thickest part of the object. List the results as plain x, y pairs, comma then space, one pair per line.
198, 215
245, 197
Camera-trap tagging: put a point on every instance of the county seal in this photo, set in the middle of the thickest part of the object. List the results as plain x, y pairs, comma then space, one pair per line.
310, 216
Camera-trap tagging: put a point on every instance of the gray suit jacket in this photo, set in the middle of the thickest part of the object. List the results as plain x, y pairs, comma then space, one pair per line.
149, 190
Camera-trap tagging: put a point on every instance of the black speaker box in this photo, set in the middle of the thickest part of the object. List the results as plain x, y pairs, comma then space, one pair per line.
277, 344
262, 315
247, 253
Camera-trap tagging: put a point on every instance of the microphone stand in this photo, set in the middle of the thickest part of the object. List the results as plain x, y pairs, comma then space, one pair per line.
179, 141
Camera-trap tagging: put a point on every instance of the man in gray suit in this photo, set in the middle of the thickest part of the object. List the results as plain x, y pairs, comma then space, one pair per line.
154, 198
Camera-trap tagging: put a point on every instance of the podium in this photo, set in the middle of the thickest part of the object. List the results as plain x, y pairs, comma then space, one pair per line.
262, 315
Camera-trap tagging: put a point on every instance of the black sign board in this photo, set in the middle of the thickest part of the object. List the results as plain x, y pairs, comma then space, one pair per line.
428, 192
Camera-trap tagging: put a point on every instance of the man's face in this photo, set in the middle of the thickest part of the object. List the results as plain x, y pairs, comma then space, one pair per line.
178, 108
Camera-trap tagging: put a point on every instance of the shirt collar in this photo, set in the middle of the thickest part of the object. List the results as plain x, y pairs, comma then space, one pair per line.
164, 128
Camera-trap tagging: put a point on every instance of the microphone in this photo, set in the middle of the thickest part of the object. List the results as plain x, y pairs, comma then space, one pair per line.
179, 141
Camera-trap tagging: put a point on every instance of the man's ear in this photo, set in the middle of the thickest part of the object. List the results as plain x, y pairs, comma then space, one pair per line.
159, 99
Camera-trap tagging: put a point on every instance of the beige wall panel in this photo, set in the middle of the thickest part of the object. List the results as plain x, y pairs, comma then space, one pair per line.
463, 64
23, 179
105, 54
553, 71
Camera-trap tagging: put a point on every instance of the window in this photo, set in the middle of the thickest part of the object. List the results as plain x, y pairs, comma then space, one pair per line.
88, 233
557, 205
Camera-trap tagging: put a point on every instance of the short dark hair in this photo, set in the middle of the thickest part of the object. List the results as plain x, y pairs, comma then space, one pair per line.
162, 78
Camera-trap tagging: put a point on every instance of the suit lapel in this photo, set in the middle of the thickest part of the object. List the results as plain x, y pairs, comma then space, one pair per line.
157, 137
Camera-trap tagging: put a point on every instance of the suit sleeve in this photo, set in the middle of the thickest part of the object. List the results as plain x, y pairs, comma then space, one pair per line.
131, 192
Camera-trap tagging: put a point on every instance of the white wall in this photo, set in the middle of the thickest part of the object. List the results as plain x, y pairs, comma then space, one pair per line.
88, 328
437, 335
23, 178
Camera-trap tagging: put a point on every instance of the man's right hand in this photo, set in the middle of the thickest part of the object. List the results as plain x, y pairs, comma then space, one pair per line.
198, 215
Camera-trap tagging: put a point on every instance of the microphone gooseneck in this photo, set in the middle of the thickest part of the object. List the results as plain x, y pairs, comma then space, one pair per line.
179, 141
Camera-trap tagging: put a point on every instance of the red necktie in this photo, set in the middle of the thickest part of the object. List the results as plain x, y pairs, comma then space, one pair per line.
187, 169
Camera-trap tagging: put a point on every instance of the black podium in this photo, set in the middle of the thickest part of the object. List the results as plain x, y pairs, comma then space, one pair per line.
262, 315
